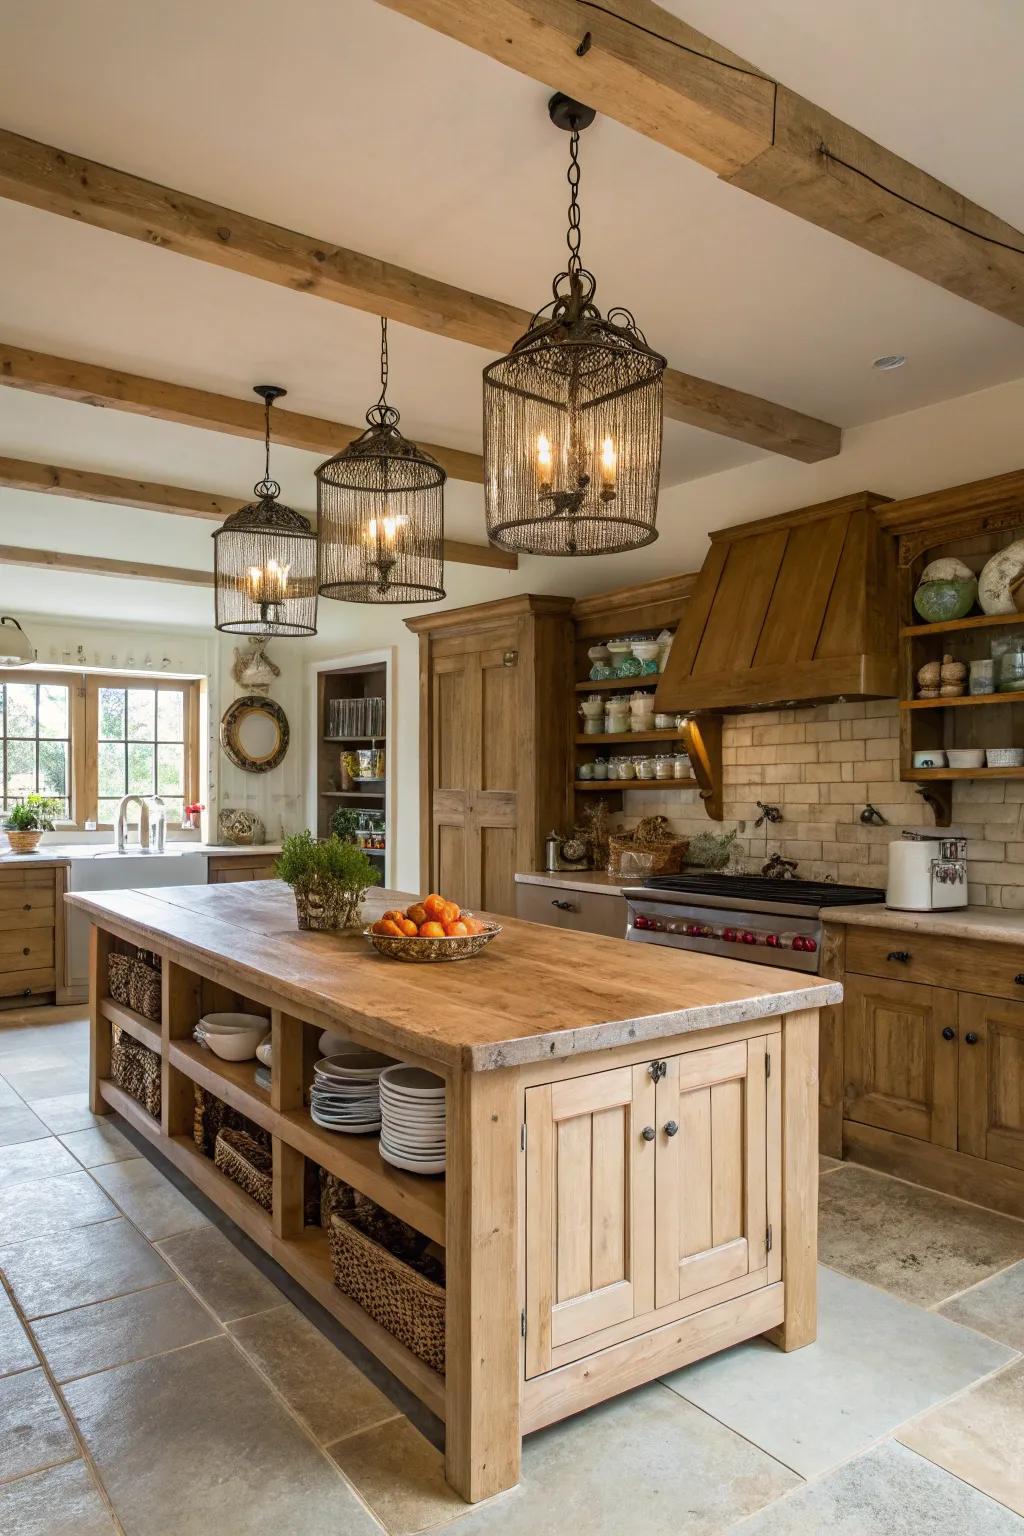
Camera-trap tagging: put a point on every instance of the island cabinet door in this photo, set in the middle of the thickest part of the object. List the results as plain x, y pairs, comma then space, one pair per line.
589, 1207
718, 1168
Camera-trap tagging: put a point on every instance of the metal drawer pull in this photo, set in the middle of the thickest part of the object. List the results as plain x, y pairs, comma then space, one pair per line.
671, 1126
971, 1037
949, 1033
648, 1133
565, 906
902, 955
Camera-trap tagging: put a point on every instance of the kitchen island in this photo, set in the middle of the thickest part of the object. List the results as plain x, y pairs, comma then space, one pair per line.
631, 1140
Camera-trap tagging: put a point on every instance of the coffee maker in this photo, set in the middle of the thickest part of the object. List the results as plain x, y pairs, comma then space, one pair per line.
927, 872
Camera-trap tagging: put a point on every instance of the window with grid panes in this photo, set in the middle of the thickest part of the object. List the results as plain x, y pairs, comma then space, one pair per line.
142, 746
35, 739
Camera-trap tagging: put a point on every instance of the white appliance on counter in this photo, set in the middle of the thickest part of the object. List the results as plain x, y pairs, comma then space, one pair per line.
927, 872
106, 870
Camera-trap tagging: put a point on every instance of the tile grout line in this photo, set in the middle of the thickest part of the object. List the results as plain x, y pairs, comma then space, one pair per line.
960, 1478
956, 1295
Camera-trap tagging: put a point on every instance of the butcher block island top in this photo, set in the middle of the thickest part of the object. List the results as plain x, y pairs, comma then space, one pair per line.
630, 1170
534, 994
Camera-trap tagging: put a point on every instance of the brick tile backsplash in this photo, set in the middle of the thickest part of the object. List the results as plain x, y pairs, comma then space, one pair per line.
822, 765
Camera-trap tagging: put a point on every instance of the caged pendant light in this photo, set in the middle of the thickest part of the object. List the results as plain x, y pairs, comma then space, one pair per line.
264, 560
573, 414
380, 512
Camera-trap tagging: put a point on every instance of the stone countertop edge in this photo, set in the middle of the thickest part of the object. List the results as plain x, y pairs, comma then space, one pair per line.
583, 880
64, 853
990, 923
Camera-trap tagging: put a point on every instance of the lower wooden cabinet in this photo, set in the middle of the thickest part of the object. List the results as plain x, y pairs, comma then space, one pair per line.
651, 1192
240, 866
901, 1057
31, 936
991, 1079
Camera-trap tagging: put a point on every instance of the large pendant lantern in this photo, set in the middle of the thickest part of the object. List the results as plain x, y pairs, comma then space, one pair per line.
380, 512
264, 559
573, 414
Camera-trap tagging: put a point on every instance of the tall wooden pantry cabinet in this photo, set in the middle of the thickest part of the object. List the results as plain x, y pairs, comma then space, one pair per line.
495, 743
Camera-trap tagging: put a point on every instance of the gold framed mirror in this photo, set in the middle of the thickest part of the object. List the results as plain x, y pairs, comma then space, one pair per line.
254, 733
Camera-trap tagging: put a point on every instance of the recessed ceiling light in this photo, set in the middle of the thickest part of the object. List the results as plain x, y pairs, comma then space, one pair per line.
890, 361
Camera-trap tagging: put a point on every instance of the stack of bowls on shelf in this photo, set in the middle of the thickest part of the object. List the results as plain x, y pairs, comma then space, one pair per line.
232, 1036
345, 1095
412, 1107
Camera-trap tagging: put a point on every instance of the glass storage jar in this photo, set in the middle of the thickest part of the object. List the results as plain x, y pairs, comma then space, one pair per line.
664, 767
1009, 669
681, 766
645, 768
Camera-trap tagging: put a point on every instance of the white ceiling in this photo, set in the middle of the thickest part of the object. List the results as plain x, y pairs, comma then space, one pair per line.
346, 121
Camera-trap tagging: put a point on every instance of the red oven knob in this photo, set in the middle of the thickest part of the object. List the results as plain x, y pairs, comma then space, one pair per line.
730, 935
772, 940
639, 921
748, 937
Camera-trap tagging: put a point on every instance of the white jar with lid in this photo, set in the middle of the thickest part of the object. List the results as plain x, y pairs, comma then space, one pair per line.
681, 766
664, 767
645, 768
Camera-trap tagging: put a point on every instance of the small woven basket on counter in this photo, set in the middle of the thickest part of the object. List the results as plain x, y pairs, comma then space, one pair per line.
651, 848
410, 1304
136, 1069
134, 982
247, 1163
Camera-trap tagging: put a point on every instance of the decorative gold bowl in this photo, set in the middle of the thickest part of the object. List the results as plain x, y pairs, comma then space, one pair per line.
428, 951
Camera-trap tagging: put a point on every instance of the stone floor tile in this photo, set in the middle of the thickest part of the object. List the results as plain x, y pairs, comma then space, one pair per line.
33, 1431
132, 1327
917, 1243
67, 1112
48, 1082
877, 1362
229, 1284
318, 1382
995, 1307
34, 1160
18, 1123
401, 1476
635, 1464
16, 1352
98, 1145
979, 1436
7, 1093
889, 1492
829, 1164
60, 1270
195, 1442
34, 1206
150, 1200
62, 1501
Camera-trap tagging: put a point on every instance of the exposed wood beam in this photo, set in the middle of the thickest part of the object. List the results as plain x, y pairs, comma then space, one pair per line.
80, 189
91, 384
650, 71
98, 565
114, 490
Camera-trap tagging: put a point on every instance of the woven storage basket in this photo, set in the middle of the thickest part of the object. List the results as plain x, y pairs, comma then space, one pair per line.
134, 982
408, 1304
247, 1163
211, 1115
650, 836
136, 1069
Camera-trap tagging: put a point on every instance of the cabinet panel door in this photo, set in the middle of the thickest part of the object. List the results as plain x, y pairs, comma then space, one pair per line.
992, 1079
589, 1207
901, 1073
712, 1197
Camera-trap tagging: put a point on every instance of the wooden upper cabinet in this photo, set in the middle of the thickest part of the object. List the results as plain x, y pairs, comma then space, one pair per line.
901, 1057
495, 743
991, 1060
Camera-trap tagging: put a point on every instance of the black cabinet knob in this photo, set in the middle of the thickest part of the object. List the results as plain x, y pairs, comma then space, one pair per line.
671, 1126
648, 1133
27, 907
26, 950
901, 955
1019, 978
565, 906
971, 1037
948, 1033
27, 992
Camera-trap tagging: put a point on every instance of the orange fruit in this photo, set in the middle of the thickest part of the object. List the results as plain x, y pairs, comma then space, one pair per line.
417, 913
473, 924
388, 926
456, 929
431, 931
408, 927
451, 913
434, 907
391, 915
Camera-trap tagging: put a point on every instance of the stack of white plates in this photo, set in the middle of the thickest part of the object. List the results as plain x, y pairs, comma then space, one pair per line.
345, 1095
413, 1119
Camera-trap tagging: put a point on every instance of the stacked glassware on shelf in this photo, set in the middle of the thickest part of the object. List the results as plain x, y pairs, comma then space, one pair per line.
645, 766
635, 656
348, 718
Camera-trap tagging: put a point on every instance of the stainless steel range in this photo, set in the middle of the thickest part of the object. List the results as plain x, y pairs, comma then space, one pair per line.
769, 922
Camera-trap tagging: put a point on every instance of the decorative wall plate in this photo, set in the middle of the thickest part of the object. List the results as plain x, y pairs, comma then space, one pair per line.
254, 733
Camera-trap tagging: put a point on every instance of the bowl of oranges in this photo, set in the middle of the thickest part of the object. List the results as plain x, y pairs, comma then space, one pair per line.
430, 930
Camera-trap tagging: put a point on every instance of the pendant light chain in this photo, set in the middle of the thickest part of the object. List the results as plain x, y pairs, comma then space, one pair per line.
572, 238
382, 402
267, 488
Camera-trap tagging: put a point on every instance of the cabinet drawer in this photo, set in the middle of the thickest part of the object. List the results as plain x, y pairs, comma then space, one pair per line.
241, 868
27, 983
583, 911
26, 950
995, 970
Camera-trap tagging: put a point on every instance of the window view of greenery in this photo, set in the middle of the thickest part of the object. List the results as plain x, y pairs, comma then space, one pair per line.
141, 749
35, 738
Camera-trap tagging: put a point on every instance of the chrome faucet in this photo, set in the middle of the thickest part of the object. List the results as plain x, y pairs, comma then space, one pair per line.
146, 827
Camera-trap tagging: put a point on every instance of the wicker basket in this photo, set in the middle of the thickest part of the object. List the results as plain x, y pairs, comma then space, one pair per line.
247, 1164
211, 1116
136, 1069
651, 838
134, 982
408, 1304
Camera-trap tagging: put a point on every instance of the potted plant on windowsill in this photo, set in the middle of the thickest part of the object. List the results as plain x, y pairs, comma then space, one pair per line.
329, 879
26, 823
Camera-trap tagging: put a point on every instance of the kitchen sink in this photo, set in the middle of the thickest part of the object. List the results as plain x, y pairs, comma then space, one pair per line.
108, 870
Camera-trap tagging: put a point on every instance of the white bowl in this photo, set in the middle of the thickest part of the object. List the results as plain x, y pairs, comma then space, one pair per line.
237, 1046
933, 757
263, 1053
965, 757
1005, 757
225, 1023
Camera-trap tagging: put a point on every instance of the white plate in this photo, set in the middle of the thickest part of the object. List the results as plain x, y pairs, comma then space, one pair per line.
397, 1160
355, 1064
399, 1133
357, 1128
341, 1090
415, 1154
415, 1081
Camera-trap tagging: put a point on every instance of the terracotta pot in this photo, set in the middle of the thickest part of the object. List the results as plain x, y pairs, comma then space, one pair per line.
326, 905
24, 842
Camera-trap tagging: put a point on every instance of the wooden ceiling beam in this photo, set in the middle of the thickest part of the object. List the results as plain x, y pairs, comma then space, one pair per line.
100, 565
92, 384
647, 69
67, 184
115, 490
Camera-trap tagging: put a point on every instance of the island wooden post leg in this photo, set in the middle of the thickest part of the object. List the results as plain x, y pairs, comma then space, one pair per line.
287, 1081
799, 1325
99, 1027
482, 1387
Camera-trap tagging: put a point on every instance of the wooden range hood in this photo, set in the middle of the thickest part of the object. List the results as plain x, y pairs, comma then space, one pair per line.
799, 608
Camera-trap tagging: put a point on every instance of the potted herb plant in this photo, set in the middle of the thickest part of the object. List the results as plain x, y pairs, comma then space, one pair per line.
345, 823
330, 879
26, 822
